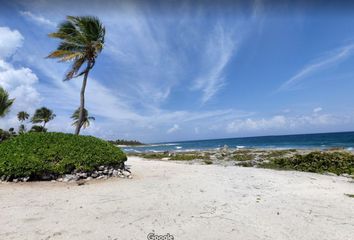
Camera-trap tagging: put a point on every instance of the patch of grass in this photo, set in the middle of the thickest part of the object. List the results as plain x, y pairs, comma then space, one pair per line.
208, 162
243, 151
243, 157
188, 157
154, 155
245, 164
176, 156
279, 153
318, 162
37, 154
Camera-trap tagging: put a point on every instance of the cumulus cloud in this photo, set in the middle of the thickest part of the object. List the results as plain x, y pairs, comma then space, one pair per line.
10, 41
19, 82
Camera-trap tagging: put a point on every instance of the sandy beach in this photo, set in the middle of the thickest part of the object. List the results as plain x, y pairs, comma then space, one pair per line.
186, 201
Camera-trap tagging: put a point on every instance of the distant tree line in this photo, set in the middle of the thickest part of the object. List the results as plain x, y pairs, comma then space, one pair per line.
39, 119
126, 142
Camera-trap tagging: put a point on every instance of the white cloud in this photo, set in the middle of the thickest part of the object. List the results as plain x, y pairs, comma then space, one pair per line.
19, 82
174, 128
256, 124
318, 109
10, 41
40, 20
217, 54
326, 61
284, 123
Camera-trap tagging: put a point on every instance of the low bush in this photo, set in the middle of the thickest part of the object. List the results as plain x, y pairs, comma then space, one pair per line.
38, 154
243, 157
319, 162
207, 161
279, 153
153, 155
188, 157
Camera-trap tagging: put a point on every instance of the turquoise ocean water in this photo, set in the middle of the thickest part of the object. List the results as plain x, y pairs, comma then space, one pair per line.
318, 141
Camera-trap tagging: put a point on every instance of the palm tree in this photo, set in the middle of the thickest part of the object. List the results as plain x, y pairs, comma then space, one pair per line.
82, 39
22, 116
5, 102
86, 119
43, 115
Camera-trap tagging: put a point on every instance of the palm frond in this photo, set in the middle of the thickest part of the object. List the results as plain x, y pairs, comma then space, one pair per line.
43, 115
75, 69
5, 102
82, 39
86, 119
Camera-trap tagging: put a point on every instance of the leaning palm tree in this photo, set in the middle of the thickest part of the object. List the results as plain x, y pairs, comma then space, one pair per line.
82, 39
22, 116
43, 115
86, 119
5, 102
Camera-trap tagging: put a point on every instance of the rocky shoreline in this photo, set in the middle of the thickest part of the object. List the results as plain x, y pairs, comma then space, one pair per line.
103, 172
245, 157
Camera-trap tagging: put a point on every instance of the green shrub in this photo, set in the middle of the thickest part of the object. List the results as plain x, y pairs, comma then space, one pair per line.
153, 155
319, 162
37, 128
279, 153
188, 156
39, 154
243, 157
207, 161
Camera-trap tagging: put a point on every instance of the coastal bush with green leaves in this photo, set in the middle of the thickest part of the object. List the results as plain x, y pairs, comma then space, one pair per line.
243, 157
40, 154
319, 162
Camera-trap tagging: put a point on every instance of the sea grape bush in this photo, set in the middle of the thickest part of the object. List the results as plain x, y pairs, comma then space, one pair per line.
36, 154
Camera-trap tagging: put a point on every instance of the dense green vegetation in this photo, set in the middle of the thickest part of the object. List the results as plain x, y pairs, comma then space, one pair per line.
40, 154
319, 162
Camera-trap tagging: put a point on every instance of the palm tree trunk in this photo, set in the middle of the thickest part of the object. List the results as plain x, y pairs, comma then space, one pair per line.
82, 99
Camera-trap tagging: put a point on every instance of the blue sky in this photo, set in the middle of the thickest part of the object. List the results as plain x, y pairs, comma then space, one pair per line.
189, 70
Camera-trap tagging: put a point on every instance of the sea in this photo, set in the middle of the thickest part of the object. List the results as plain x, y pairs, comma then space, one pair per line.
343, 140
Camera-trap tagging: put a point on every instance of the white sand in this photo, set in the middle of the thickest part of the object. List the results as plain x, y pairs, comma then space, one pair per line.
188, 201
